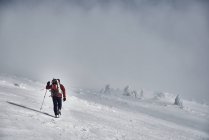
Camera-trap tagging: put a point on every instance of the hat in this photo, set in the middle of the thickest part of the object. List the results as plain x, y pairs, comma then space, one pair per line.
54, 81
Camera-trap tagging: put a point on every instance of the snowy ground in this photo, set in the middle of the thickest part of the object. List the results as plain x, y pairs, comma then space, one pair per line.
88, 114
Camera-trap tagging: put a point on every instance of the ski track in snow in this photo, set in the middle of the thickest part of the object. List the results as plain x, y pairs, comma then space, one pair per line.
91, 117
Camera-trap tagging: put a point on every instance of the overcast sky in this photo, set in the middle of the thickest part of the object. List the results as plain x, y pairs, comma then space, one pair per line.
157, 45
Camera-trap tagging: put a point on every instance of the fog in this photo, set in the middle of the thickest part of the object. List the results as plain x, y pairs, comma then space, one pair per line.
156, 45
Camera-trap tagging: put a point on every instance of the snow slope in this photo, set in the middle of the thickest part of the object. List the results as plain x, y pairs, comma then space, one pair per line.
88, 114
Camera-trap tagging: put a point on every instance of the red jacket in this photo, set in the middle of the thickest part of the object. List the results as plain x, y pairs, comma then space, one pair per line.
60, 94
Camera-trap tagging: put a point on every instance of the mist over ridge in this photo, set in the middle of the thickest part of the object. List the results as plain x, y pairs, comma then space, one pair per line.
145, 44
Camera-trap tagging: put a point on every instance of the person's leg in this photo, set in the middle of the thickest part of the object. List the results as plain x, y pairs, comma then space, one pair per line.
55, 103
59, 105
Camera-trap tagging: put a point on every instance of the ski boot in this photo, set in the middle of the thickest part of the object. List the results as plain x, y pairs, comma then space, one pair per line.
59, 112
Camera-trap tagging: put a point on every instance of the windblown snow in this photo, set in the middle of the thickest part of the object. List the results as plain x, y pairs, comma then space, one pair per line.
89, 114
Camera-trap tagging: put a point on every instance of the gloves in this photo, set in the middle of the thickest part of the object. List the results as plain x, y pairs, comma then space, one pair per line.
48, 83
64, 99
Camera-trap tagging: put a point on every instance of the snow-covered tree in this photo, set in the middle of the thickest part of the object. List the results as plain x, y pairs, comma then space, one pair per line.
107, 89
141, 94
178, 101
134, 93
126, 91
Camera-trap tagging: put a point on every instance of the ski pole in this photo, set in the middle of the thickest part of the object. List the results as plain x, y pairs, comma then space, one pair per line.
43, 100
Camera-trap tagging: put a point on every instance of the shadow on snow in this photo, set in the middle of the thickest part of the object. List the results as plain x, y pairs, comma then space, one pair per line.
12, 103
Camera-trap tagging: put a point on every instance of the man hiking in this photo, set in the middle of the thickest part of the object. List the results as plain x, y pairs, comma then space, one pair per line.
57, 90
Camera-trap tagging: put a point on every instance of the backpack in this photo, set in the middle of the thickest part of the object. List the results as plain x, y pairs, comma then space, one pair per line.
55, 88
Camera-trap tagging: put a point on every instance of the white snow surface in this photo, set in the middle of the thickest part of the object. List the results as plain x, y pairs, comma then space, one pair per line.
90, 115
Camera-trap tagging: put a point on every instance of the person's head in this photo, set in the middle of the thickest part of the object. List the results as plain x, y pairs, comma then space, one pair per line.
54, 81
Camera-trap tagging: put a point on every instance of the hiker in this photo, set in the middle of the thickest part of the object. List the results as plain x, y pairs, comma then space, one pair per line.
57, 90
